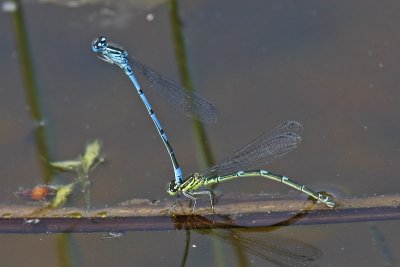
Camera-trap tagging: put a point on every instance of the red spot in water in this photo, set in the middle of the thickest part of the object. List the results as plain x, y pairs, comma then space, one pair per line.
38, 193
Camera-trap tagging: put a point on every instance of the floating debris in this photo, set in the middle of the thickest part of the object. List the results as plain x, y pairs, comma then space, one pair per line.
43, 192
112, 235
31, 221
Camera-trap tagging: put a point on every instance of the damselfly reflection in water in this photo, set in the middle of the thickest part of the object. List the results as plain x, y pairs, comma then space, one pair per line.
259, 242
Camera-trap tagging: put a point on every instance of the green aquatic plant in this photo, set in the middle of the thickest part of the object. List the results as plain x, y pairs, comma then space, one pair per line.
57, 195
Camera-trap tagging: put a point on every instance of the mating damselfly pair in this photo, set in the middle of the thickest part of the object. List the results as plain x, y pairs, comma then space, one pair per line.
246, 162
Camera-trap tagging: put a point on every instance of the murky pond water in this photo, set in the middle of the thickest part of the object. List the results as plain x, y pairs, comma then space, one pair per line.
331, 66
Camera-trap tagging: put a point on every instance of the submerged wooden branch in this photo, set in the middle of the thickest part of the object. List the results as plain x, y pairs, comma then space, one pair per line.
240, 211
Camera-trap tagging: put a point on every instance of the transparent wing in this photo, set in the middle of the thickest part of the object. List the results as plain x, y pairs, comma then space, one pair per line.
269, 146
279, 250
189, 103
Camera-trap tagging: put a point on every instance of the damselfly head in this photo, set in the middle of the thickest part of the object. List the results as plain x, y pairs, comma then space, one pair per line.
100, 44
172, 188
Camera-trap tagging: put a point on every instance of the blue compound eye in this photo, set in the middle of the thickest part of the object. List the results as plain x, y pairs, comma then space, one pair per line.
99, 44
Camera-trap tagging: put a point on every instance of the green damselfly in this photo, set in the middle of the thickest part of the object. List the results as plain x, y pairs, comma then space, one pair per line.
247, 162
